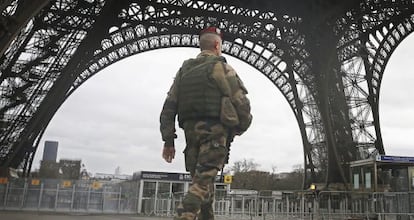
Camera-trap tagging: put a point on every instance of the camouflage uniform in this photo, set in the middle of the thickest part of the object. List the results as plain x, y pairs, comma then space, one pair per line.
206, 139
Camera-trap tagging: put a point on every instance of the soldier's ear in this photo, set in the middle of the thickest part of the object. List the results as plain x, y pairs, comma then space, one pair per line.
217, 45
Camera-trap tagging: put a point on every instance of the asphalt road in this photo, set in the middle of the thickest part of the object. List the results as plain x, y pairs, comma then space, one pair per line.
20, 215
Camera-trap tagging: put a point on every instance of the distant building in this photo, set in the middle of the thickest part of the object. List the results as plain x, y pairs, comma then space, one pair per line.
84, 174
50, 151
49, 168
113, 177
70, 169
64, 169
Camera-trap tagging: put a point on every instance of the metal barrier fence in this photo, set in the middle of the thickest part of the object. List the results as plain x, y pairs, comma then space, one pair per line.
300, 205
82, 196
123, 198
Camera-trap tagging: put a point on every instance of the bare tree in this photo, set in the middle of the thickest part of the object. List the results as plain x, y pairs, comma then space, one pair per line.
298, 168
246, 176
244, 165
274, 169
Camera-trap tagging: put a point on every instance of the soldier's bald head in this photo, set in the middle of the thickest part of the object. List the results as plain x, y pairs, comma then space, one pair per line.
208, 41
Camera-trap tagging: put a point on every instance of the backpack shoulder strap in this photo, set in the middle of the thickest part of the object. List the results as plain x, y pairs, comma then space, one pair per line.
221, 78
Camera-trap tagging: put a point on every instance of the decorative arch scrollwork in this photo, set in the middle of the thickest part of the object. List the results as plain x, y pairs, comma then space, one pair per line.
49, 55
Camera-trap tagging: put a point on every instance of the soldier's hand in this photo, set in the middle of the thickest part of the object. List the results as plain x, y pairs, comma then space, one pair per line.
168, 153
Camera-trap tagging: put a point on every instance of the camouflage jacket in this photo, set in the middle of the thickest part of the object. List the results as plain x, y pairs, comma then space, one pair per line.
238, 98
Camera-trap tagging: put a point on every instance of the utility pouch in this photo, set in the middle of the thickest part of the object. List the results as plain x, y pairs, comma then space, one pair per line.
228, 113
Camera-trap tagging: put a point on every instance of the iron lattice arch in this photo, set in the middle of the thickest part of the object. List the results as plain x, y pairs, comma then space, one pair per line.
330, 78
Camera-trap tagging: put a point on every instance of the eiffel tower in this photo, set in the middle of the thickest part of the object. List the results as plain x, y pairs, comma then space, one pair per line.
327, 57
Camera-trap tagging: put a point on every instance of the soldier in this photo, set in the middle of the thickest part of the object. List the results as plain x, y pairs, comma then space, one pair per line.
198, 96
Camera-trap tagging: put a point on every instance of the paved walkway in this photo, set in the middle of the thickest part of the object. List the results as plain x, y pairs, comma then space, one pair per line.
24, 215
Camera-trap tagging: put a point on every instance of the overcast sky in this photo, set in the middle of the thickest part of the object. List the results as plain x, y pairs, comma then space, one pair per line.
113, 119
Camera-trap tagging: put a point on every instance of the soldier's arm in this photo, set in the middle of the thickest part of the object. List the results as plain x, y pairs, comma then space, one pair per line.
168, 114
239, 99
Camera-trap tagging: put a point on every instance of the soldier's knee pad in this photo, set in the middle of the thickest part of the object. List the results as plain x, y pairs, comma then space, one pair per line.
201, 168
191, 203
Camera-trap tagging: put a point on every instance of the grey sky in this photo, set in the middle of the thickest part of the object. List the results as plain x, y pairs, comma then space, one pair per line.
112, 119
396, 101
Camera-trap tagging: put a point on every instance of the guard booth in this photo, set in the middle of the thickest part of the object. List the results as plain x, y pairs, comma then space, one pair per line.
383, 174
161, 192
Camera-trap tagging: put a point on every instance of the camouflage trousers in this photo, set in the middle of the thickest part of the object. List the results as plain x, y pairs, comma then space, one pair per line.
204, 157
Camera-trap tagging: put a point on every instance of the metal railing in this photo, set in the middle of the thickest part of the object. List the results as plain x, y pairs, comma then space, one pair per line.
301, 205
123, 198
54, 196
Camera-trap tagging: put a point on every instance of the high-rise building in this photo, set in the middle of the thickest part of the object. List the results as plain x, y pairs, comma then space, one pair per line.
49, 168
50, 151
